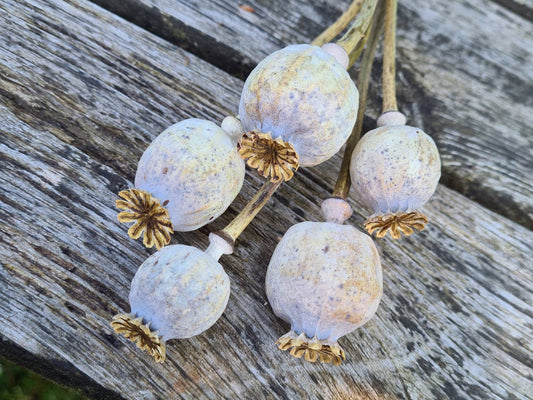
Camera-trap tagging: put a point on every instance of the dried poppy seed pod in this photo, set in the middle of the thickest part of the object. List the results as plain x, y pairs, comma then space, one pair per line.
177, 293
325, 280
297, 107
187, 177
395, 170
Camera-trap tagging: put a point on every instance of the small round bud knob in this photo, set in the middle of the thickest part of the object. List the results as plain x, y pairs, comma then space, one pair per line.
338, 52
391, 118
233, 127
336, 210
218, 246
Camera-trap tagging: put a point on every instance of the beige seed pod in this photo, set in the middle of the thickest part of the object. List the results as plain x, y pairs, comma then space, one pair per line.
177, 293
298, 107
395, 170
187, 177
324, 279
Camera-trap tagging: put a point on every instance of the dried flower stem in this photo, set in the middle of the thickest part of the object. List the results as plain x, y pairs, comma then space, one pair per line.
232, 231
389, 55
338, 26
342, 187
354, 39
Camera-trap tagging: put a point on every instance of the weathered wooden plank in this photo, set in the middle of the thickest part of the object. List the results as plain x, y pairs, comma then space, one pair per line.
82, 93
524, 8
465, 75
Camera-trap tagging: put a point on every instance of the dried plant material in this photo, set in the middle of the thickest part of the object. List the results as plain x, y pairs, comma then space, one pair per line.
300, 94
193, 182
132, 328
311, 349
180, 291
274, 159
325, 279
396, 224
150, 218
395, 168
247, 8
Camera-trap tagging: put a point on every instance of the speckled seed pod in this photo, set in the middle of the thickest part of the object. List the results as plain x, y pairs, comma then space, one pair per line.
298, 107
325, 280
395, 170
186, 178
178, 292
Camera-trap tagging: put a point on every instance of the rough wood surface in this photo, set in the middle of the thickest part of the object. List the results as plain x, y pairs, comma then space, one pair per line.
524, 8
82, 93
464, 75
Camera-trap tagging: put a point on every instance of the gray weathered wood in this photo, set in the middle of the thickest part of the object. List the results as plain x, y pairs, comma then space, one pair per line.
524, 8
464, 75
82, 92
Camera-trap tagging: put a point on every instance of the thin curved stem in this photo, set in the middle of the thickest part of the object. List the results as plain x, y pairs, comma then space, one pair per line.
342, 187
389, 56
232, 231
354, 39
338, 26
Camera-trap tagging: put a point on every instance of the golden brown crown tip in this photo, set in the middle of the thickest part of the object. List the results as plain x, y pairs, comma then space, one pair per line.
311, 349
396, 224
132, 328
273, 158
150, 218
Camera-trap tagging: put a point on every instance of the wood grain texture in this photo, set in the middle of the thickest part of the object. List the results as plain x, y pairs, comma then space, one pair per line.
82, 93
524, 8
465, 75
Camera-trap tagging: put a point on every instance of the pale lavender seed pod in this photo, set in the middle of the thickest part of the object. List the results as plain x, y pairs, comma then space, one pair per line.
395, 170
324, 279
177, 293
187, 177
194, 165
302, 97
